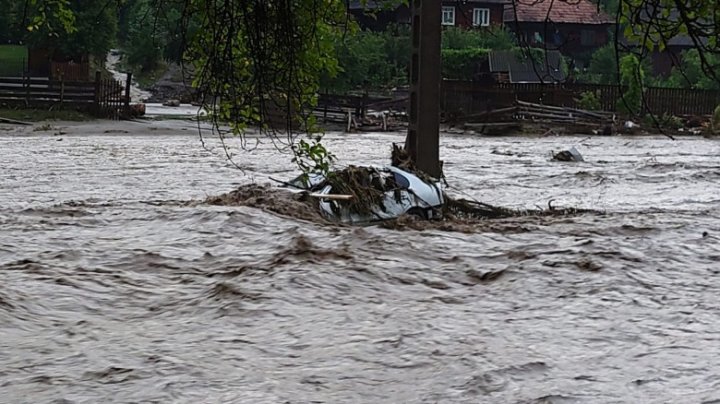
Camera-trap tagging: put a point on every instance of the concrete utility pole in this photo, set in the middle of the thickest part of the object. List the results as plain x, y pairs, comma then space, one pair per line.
423, 138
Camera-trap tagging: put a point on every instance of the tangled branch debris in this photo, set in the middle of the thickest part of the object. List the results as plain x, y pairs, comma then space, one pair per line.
366, 185
464, 209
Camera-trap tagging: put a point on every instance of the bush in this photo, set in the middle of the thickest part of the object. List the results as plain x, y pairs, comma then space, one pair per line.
632, 76
589, 100
603, 66
493, 38
462, 64
716, 121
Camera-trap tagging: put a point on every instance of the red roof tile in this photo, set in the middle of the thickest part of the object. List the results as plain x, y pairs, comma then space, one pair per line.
561, 11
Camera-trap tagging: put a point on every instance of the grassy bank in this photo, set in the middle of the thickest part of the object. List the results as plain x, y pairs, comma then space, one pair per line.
38, 115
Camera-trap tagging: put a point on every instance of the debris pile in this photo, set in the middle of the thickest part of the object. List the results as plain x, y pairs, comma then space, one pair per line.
265, 197
366, 187
526, 115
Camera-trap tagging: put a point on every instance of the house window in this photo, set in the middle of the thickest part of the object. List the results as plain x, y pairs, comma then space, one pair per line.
587, 37
448, 16
481, 17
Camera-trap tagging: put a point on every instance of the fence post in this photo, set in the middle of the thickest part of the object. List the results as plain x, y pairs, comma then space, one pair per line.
97, 93
27, 89
128, 82
62, 89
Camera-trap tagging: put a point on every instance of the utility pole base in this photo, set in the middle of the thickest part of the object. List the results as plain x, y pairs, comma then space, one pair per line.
423, 137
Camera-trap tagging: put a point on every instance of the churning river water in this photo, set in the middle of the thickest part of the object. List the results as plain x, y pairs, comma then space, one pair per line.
116, 287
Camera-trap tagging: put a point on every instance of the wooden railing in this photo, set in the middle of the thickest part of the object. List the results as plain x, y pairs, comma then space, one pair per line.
465, 97
105, 98
32, 90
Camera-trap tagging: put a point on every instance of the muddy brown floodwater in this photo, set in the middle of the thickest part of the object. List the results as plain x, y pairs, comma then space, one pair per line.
113, 288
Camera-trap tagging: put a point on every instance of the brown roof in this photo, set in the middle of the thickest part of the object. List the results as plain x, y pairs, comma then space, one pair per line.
562, 11
389, 5
479, 1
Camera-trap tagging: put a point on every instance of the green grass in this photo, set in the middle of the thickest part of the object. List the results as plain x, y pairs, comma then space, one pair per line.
38, 115
12, 59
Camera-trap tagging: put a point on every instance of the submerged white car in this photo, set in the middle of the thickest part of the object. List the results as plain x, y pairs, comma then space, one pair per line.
404, 193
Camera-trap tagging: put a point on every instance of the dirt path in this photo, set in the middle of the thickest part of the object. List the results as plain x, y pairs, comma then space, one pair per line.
136, 94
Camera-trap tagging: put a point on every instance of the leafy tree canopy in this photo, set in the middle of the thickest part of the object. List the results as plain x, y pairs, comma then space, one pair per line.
70, 28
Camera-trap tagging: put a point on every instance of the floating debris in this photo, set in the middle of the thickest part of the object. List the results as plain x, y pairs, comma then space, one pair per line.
568, 155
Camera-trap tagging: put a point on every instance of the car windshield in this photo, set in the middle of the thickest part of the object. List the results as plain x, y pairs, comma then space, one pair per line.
401, 180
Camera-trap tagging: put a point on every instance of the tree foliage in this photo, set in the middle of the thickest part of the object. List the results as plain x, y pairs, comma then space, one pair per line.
378, 61
462, 64
70, 28
263, 60
151, 31
690, 73
370, 61
652, 25
603, 67
590, 100
496, 38
632, 79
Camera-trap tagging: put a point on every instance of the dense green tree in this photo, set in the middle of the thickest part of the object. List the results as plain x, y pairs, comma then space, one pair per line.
142, 40
603, 67
690, 73
370, 61
496, 38
72, 29
10, 22
150, 32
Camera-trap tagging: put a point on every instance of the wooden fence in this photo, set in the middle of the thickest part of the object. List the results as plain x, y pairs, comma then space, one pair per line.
103, 98
464, 97
70, 71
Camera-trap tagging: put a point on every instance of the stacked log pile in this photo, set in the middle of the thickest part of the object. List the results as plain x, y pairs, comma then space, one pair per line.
548, 113
524, 115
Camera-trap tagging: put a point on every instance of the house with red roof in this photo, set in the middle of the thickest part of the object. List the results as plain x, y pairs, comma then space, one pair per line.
575, 28
375, 14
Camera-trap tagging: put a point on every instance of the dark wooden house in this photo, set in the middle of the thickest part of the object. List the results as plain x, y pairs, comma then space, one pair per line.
473, 13
572, 27
468, 13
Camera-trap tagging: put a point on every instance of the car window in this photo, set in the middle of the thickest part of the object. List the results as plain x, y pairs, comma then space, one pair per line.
401, 181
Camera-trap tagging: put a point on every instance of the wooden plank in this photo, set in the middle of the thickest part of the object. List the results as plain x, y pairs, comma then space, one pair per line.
46, 86
36, 90
11, 87
46, 94
13, 121
34, 101
44, 82
337, 197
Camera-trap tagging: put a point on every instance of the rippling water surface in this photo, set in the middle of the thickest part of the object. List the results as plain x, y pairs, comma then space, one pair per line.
113, 288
